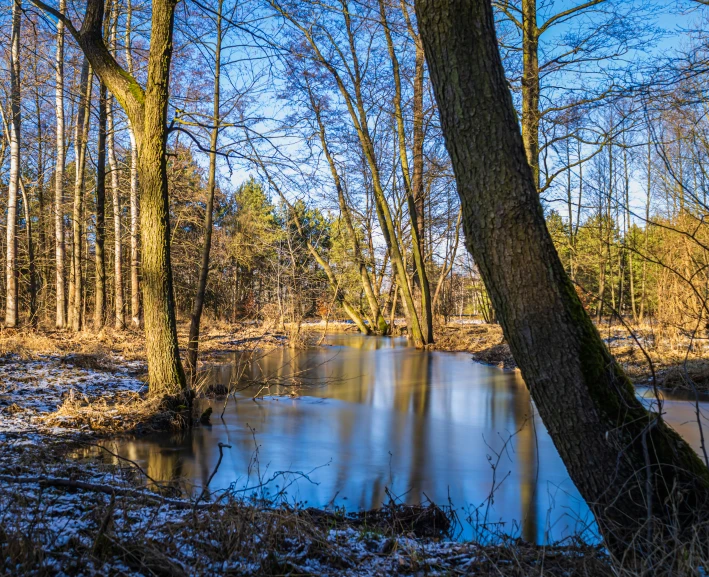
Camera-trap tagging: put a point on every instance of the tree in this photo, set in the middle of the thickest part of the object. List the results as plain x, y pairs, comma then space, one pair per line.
134, 240
11, 302
645, 485
59, 250
100, 288
147, 112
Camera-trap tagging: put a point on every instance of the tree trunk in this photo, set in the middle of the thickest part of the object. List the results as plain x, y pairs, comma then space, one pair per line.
413, 185
80, 140
134, 240
11, 303
375, 309
530, 86
147, 113
193, 343
164, 367
100, 301
30, 256
644, 484
59, 248
119, 320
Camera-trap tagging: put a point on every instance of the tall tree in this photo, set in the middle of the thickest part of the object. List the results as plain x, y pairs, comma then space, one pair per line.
100, 288
11, 302
81, 134
134, 240
645, 485
119, 320
59, 248
147, 112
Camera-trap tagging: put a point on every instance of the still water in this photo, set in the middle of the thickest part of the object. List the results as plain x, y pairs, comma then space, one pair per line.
375, 419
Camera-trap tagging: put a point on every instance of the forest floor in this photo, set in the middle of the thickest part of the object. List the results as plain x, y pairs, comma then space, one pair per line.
678, 362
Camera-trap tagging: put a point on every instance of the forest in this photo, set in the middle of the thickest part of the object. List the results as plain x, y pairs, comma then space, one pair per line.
472, 231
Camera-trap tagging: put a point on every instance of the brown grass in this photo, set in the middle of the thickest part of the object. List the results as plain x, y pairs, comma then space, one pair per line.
126, 412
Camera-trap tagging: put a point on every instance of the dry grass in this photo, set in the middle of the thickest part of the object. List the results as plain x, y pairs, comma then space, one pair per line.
679, 362
126, 412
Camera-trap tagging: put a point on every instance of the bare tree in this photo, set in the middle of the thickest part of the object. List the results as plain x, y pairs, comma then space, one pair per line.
147, 112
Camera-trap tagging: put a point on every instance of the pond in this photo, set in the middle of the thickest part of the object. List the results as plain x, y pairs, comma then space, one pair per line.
372, 418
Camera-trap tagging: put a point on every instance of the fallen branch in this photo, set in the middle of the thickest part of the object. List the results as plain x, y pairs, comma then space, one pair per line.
101, 488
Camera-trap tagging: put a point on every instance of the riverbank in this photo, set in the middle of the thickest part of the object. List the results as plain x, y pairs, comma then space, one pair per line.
63, 516
68, 505
678, 363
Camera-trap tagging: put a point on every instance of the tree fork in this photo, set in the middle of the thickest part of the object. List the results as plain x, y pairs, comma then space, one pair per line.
147, 113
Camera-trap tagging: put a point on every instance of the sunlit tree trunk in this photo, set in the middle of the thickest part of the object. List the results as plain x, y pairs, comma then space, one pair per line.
134, 240
11, 303
59, 248
644, 484
119, 320
147, 112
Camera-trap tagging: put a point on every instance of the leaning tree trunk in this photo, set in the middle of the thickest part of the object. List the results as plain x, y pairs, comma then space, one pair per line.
647, 488
11, 304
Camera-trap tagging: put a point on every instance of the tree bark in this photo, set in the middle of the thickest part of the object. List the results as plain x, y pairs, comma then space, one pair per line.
11, 304
644, 484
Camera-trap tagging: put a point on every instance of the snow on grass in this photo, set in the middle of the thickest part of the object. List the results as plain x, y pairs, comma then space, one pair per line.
33, 388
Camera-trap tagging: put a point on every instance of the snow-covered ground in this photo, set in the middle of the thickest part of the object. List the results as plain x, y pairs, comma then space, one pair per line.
31, 389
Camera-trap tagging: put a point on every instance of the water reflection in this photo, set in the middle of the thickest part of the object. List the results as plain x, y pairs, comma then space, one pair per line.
380, 415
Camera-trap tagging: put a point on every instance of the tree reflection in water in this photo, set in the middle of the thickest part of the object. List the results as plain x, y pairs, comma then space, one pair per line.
380, 414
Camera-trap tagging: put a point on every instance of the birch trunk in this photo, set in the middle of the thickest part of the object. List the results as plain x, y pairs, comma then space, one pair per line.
11, 304
59, 247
